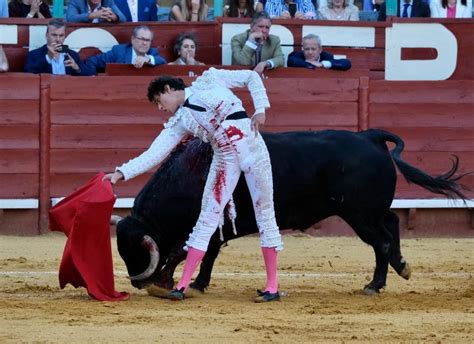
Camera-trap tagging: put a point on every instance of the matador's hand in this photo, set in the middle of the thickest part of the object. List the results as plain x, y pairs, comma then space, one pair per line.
113, 177
258, 120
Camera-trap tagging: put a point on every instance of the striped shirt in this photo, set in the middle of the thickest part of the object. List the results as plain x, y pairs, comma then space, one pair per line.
275, 8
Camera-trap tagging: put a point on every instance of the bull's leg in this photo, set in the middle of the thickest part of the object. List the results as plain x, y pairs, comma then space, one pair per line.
204, 277
176, 256
377, 236
397, 261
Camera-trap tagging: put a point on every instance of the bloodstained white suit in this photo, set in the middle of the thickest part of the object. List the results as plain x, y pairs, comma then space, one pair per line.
236, 149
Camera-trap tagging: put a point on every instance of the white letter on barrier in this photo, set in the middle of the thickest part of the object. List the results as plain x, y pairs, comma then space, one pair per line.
420, 36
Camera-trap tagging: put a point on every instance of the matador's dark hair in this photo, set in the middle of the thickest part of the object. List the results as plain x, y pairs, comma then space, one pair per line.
157, 86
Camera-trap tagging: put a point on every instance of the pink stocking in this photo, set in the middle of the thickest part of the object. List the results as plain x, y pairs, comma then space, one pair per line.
193, 259
271, 262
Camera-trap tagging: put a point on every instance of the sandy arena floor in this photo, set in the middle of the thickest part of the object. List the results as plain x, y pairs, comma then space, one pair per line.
322, 277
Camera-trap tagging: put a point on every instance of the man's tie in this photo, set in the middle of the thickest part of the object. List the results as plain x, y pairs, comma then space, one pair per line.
405, 10
194, 107
258, 54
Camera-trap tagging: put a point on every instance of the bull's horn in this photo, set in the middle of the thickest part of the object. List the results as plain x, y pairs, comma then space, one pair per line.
154, 259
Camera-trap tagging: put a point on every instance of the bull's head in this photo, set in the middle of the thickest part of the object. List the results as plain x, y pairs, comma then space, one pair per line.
139, 248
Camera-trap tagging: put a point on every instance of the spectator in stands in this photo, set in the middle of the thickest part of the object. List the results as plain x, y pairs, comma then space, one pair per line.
189, 10
281, 9
3, 61
54, 57
4, 8
94, 11
339, 10
312, 56
138, 53
451, 8
242, 8
28, 9
138, 10
185, 48
257, 47
407, 9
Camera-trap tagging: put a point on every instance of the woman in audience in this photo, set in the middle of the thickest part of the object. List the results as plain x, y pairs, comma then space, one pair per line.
339, 10
189, 10
28, 9
451, 8
185, 48
242, 8
3, 61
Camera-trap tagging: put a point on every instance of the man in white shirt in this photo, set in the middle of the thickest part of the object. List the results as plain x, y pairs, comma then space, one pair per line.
211, 111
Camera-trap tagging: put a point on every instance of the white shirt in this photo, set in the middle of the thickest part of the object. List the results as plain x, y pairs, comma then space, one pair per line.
133, 7
57, 66
95, 20
210, 92
152, 58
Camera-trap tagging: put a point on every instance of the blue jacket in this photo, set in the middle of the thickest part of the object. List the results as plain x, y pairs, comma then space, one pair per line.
296, 59
78, 12
146, 10
36, 62
121, 53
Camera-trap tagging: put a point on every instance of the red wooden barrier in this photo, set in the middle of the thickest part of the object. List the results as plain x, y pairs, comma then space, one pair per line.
19, 141
85, 129
433, 118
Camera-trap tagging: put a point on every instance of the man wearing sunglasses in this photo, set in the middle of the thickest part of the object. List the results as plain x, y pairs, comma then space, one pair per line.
138, 52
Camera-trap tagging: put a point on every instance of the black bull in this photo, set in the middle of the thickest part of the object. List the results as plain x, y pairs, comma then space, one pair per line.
316, 175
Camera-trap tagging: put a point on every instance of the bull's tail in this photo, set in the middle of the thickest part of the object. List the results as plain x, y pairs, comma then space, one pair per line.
445, 184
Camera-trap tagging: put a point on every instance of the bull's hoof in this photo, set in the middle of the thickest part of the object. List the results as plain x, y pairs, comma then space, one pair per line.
196, 287
406, 272
192, 292
156, 291
371, 291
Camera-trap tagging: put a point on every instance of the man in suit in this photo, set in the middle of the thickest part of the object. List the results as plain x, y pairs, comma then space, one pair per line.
138, 53
312, 56
257, 47
407, 9
138, 10
94, 11
53, 57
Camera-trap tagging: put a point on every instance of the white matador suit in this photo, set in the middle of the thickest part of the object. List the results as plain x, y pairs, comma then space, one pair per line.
213, 113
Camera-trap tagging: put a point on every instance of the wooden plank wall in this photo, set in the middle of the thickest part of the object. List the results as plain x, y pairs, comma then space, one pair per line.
435, 119
19, 135
95, 129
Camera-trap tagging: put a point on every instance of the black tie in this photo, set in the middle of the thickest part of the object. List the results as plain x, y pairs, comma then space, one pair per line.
258, 54
194, 107
405, 10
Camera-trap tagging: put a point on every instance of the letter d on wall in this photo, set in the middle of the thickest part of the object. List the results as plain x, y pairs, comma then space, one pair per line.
420, 36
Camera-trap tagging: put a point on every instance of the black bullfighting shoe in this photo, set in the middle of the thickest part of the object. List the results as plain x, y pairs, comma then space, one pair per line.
266, 296
176, 295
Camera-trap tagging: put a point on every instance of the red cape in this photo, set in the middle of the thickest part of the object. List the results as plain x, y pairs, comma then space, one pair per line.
84, 217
